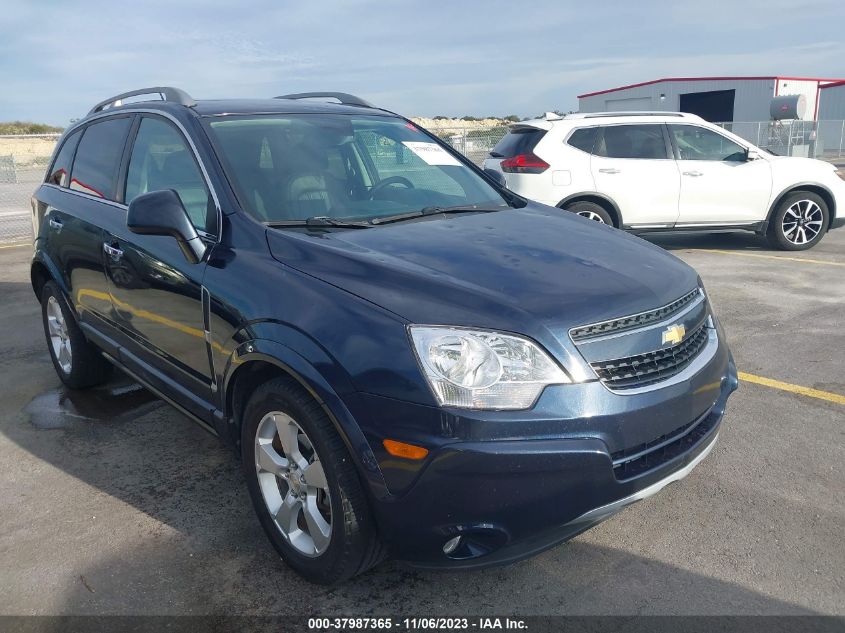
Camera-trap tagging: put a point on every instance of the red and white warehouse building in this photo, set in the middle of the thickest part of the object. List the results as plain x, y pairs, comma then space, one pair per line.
722, 99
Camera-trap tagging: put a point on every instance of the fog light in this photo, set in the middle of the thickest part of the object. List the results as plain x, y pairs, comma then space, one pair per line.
452, 544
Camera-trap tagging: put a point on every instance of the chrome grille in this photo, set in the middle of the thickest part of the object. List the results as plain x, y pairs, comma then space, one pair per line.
646, 369
634, 321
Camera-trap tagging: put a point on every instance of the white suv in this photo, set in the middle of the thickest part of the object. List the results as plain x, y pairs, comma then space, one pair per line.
649, 171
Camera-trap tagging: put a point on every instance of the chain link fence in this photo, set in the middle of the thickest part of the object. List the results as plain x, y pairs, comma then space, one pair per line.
23, 159
809, 139
473, 142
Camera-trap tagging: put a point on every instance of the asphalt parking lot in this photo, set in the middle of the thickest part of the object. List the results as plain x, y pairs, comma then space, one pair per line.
116, 504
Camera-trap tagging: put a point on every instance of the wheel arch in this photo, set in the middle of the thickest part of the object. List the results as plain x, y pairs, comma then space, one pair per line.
811, 187
597, 198
257, 361
42, 270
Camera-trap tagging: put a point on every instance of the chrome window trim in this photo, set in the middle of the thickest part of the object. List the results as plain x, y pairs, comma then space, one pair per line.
118, 205
184, 131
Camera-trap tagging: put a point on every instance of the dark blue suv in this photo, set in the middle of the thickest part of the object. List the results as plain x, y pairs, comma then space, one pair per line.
412, 360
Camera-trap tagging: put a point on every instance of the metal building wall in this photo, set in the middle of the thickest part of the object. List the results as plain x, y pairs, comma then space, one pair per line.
752, 100
832, 103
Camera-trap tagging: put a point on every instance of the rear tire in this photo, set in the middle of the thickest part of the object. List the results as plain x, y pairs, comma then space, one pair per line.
77, 361
319, 523
591, 211
799, 222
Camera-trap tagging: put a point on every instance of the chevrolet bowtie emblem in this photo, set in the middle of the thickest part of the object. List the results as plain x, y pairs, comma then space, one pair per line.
674, 334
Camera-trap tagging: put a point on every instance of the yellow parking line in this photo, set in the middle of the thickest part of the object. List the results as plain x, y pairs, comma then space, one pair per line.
782, 258
785, 386
14, 245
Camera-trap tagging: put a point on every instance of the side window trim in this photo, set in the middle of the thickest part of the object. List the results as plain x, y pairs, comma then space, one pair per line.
84, 128
191, 144
599, 141
180, 130
671, 150
676, 153
74, 137
124, 160
572, 132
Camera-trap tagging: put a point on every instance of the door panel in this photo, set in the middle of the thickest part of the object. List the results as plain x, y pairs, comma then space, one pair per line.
631, 165
718, 185
155, 291
81, 199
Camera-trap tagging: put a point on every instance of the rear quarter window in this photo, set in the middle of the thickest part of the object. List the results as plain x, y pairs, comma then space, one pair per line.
98, 157
518, 141
583, 138
60, 172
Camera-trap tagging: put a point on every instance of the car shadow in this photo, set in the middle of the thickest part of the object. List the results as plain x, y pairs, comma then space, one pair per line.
735, 241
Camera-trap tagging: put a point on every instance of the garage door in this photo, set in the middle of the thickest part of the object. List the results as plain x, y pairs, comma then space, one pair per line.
631, 104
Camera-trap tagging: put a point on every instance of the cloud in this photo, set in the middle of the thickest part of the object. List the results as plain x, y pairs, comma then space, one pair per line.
492, 57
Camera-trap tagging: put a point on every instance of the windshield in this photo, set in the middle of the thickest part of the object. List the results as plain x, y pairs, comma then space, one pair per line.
291, 167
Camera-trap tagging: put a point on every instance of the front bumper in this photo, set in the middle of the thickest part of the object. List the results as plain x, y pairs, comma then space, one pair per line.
510, 499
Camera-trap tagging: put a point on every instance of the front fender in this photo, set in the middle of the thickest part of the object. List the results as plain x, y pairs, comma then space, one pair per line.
314, 382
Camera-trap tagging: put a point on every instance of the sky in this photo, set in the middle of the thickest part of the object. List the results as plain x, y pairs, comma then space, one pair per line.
58, 58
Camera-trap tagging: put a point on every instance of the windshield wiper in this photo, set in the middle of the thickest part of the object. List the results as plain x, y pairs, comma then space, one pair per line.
434, 210
319, 220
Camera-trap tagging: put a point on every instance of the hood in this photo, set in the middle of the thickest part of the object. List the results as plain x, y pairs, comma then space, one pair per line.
504, 270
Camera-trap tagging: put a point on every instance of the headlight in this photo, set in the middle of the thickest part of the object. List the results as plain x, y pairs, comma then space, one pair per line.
479, 369
841, 173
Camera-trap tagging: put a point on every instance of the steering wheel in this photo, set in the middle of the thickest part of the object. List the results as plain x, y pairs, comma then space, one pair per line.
393, 180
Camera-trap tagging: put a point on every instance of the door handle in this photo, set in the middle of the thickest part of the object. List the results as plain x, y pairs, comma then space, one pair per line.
55, 224
608, 170
694, 174
111, 251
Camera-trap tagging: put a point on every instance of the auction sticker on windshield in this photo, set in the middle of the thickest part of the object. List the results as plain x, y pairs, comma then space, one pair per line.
431, 153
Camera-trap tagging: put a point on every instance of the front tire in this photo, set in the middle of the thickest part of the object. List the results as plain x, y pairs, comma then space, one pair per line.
304, 486
799, 222
77, 361
591, 211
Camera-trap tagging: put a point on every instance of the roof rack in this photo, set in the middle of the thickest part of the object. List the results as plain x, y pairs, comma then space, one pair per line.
597, 115
165, 92
343, 97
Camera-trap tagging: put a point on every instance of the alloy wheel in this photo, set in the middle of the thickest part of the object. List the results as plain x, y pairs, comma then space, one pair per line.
293, 483
802, 222
59, 336
591, 215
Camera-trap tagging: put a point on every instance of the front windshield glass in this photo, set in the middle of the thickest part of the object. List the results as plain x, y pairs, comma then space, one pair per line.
291, 167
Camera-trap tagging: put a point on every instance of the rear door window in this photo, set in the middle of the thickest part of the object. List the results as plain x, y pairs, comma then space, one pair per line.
98, 158
518, 141
60, 173
632, 141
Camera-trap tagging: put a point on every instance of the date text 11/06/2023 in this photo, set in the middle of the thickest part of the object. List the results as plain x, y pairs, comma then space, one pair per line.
412, 624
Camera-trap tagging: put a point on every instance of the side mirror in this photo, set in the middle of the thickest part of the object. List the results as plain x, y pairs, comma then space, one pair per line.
162, 213
497, 176
753, 154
